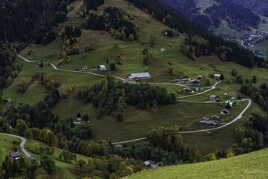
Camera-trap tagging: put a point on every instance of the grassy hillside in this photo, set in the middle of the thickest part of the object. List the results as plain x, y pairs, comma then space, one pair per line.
248, 166
138, 122
7, 145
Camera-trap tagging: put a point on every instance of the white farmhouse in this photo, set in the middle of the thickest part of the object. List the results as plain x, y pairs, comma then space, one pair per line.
217, 76
102, 68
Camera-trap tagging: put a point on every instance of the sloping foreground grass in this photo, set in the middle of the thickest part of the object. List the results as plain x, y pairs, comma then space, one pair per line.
248, 166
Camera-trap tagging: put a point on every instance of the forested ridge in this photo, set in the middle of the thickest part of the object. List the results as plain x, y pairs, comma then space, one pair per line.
24, 20
239, 14
7, 68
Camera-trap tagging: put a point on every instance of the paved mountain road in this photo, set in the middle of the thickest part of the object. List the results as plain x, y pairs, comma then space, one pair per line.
178, 99
23, 142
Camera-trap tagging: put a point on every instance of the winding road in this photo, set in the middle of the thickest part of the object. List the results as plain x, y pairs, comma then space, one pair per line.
23, 142
178, 99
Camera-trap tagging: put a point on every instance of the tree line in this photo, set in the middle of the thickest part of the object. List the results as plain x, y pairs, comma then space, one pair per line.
114, 21
31, 20
111, 97
8, 69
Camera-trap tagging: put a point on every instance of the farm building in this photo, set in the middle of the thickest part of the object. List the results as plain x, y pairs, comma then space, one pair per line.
15, 155
101, 68
225, 111
218, 76
8, 101
215, 117
205, 118
85, 68
187, 90
140, 75
151, 164
229, 103
210, 123
200, 77
197, 82
147, 163
214, 98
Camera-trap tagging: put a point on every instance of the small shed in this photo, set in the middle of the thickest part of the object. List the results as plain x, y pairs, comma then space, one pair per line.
229, 103
147, 163
15, 155
154, 165
214, 98
85, 68
210, 123
162, 50
225, 111
187, 90
217, 76
200, 77
195, 81
8, 101
118, 146
205, 118
102, 68
215, 117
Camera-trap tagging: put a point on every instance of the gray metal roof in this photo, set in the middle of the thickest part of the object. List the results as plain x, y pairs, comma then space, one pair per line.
140, 75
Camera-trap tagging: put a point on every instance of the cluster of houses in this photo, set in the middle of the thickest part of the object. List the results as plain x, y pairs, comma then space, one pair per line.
185, 79
249, 41
216, 98
214, 119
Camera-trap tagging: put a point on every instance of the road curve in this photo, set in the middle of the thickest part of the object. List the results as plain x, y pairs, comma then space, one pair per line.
122, 79
23, 142
225, 125
198, 131
178, 99
25, 59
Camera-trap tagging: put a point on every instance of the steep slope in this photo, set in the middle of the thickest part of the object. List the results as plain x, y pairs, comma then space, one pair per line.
205, 54
252, 165
257, 6
240, 15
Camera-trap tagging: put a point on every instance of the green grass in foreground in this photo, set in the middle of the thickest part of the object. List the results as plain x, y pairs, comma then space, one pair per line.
248, 166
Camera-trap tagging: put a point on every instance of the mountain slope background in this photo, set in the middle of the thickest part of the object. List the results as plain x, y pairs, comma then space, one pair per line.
234, 15
190, 52
128, 36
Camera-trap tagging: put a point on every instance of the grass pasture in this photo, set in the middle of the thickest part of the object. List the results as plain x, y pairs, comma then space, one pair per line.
248, 166
7, 146
137, 122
